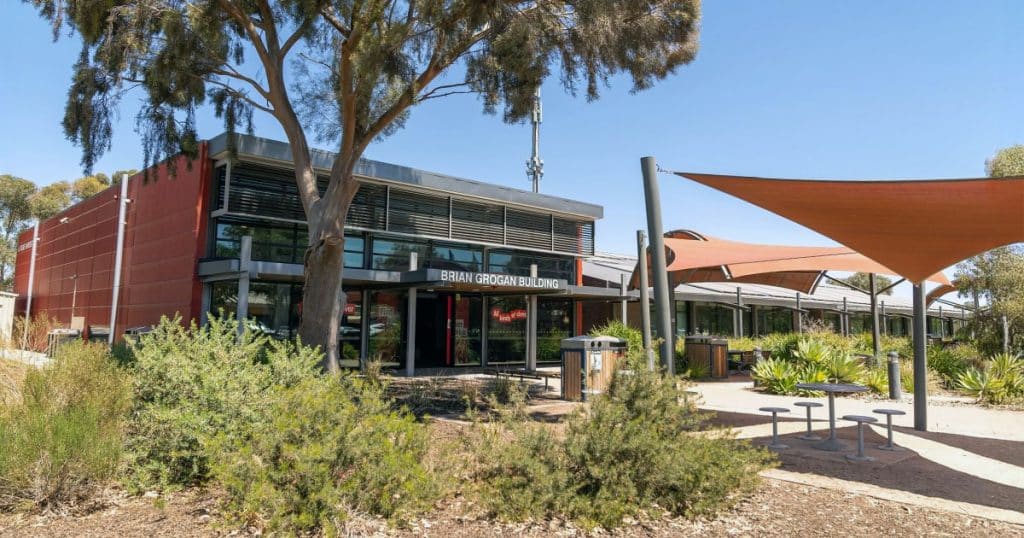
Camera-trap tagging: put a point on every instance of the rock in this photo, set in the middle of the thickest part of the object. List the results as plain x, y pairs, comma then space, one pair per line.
150, 494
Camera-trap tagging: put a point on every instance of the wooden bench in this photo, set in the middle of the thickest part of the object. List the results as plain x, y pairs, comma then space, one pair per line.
523, 373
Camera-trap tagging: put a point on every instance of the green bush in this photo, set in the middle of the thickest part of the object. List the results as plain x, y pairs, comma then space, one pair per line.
1001, 380
633, 337
776, 376
62, 441
779, 345
877, 379
191, 384
332, 444
632, 451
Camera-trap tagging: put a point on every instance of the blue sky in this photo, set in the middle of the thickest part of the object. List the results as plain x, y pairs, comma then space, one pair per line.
796, 88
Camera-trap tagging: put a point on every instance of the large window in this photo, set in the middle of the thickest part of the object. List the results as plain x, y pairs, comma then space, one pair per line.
774, 319
711, 318
506, 330
285, 243
351, 329
386, 336
518, 263
273, 306
554, 323
467, 328
860, 323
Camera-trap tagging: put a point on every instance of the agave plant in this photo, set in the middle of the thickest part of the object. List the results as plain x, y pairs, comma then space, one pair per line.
776, 376
1010, 370
877, 379
983, 385
843, 368
813, 351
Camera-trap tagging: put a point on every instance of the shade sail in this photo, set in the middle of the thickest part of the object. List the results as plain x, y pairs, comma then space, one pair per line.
693, 257
916, 228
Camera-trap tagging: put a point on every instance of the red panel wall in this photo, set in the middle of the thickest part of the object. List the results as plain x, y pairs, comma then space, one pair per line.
164, 238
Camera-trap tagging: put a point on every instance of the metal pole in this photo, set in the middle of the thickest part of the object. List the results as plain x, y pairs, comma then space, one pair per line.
895, 391
846, 319
920, 362
535, 166
876, 335
122, 222
942, 324
662, 301
531, 327
885, 320
645, 298
623, 311
31, 286
799, 316
739, 312
74, 296
244, 262
410, 331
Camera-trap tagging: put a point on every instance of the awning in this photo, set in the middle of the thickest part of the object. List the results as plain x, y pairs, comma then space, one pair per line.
915, 227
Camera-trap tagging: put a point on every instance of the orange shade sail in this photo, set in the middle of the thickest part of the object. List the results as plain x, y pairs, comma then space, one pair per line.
693, 257
916, 228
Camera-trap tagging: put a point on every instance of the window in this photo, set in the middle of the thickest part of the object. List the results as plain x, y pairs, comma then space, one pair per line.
385, 330
351, 329
518, 263
393, 255
461, 258
554, 323
284, 243
506, 330
714, 319
273, 306
774, 319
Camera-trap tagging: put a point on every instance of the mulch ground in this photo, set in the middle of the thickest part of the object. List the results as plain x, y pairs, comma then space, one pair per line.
776, 509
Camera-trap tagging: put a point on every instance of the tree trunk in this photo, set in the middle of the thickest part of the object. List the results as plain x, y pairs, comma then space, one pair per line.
322, 297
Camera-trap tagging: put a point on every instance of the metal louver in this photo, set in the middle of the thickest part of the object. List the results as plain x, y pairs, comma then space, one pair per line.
418, 214
478, 222
530, 230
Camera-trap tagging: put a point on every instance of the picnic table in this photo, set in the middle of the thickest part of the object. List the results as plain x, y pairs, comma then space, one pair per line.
831, 444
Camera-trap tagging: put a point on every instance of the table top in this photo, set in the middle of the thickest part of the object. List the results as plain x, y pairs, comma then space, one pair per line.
832, 387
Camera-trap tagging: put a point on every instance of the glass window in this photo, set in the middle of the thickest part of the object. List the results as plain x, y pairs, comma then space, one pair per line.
273, 306
711, 318
467, 325
393, 255
554, 323
682, 312
284, 243
506, 330
354, 250
386, 337
774, 319
350, 329
461, 258
518, 263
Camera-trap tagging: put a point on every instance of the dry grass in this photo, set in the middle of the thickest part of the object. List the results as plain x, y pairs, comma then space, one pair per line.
12, 375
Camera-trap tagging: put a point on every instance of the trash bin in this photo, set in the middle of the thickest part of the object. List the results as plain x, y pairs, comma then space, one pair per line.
588, 363
714, 352
132, 334
58, 337
98, 333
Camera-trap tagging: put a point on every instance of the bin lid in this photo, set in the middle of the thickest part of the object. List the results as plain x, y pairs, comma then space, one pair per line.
593, 342
719, 342
698, 339
65, 332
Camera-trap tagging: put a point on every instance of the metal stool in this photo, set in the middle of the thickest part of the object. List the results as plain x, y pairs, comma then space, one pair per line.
888, 424
808, 436
775, 444
860, 420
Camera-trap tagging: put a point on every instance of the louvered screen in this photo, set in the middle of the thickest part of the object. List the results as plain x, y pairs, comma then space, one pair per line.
587, 236
369, 207
478, 222
530, 230
262, 191
568, 236
419, 214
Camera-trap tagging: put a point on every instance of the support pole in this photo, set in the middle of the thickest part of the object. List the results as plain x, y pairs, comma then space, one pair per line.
244, 265
662, 301
645, 298
739, 312
876, 335
410, 331
1006, 335
623, 310
531, 326
845, 319
119, 250
885, 319
799, 316
31, 286
920, 361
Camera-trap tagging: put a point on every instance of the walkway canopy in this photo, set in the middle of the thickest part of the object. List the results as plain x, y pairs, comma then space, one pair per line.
915, 227
693, 257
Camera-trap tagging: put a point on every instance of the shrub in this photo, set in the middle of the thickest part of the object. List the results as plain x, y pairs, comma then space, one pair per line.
1001, 380
877, 379
632, 451
63, 440
776, 376
633, 337
192, 384
780, 346
39, 328
844, 368
331, 444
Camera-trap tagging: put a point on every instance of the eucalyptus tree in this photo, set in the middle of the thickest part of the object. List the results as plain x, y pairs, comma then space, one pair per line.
346, 72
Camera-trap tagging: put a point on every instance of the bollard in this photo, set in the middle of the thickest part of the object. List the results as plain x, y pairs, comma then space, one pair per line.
757, 358
895, 392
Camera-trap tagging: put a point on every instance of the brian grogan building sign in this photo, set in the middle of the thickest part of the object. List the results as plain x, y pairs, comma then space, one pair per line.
498, 280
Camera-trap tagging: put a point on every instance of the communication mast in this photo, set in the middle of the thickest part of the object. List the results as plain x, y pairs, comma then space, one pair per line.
535, 166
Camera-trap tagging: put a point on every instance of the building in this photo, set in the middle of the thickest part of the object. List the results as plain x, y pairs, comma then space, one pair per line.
198, 239
711, 307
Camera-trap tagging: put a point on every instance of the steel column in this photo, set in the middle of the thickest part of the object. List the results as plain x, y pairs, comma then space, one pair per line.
920, 361
645, 298
662, 301
846, 319
876, 337
244, 266
799, 316
122, 211
531, 326
623, 311
739, 313
31, 286
410, 330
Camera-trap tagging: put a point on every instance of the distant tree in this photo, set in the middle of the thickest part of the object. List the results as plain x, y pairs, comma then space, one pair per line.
50, 200
117, 176
15, 212
863, 281
996, 278
1006, 162
348, 71
88, 186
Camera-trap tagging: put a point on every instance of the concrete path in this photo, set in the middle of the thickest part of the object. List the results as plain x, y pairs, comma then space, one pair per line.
973, 421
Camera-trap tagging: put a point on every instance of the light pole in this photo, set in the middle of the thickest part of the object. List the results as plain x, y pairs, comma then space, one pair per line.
74, 297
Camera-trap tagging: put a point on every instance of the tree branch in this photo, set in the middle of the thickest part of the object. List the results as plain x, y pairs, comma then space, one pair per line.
230, 71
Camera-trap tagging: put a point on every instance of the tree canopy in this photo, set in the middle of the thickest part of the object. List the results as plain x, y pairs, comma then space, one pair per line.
863, 281
346, 72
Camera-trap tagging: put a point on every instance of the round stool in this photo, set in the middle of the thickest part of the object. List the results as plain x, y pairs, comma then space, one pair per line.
808, 436
775, 444
888, 424
860, 420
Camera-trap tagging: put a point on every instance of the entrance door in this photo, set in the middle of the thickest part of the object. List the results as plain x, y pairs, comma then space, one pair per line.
448, 330
431, 328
